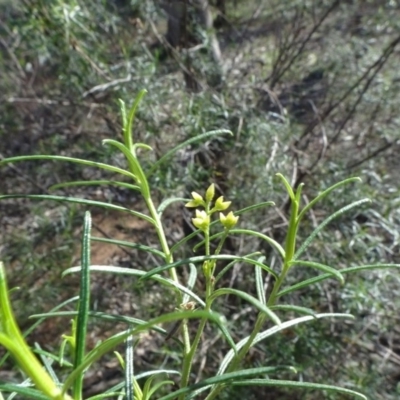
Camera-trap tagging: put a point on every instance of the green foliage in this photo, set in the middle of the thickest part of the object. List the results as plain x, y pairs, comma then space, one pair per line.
310, 89
231, 370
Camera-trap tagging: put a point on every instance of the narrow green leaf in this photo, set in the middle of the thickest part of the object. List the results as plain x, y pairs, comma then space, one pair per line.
229, 377
228, 337
321, 267
254, 207
137, 390
260, 235
135, 272
69, 159
191, 282
368, 267
200, 259
196, 233
27, 393
158, 386
146, 387
260, 282
99, 315
141, 146
161, 208
129, 244
287, 186
245, 296
325, 222
94, 183
142, 375
83, 305
157, 372
187, 261
274, 369
124, 117
296, 309
231, 264
324, 194
128, 122
129, 372
272, 331
298, 193
78, 201
106, 395
192, 140
47, 361
251, 261
344, 271
54, 357
304, 284
298, 385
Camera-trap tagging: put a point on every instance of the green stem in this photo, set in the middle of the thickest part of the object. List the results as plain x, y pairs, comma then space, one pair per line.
161, 237
189, 356
290, 249
290, 245
188, 359
243, 351
218, 250
12, 338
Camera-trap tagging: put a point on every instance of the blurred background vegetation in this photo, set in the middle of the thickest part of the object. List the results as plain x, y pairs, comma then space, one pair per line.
308, 88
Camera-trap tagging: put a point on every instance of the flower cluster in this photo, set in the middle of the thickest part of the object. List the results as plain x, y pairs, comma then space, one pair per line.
202, 219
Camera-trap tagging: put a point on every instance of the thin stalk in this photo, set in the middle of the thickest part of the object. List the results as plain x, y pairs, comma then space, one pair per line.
218, 250
128, 148
162, 238
290, 248
188, 358
12, 339
243, 351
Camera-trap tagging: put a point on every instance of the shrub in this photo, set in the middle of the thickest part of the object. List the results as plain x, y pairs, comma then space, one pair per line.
213, 223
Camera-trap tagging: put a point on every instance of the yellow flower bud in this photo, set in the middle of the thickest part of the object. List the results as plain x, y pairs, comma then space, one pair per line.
221, 205
210, 193
202, 220
228, 221
196, 202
